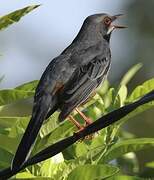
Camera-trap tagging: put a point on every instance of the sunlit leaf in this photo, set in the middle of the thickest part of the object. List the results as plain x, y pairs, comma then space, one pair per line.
27, 176
122, 177
61, 132
15, 16
50, 125
11, 95
56, 134
122, 94
150, 164
109, 97
91, 101
136, 94
18, 128
87, 150
18, 108
142, 90
7, 122
9, 144
56, 164
103, 88
86, 172
81, 149
24, 175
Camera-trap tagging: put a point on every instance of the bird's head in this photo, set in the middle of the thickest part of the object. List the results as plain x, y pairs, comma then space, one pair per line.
103, 23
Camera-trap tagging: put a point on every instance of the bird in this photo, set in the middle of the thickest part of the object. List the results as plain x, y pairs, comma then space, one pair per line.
69, 79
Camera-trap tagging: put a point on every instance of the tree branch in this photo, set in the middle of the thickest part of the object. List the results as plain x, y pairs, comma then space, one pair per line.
92, 128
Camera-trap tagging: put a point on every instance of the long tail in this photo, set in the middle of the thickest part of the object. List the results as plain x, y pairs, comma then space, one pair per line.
25, 147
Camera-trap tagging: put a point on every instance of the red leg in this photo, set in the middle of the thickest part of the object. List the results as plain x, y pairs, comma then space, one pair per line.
85, 118
79, 126
76, 123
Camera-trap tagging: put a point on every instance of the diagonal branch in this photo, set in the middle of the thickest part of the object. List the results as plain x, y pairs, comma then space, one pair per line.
94, 127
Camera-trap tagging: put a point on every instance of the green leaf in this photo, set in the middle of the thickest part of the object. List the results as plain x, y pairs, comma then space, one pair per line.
60, 132
63, 130
121, 177
86, 172
5, 158
126, 146
136, 94
9, 144
50, 125
55, 167
18, 101
18, 128
81, 149
109, 97
130, 74
56, 163
103, 88
19, 108
142, 90
14, 122
91, 101
29, 176
6, 122
122, 93
11, 95
15, 16
29, 86
24, 175
87, 150
150, 164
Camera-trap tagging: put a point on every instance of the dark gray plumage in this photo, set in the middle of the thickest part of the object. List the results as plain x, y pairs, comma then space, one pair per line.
70, 78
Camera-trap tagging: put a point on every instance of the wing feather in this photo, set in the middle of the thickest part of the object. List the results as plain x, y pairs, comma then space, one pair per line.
84, 80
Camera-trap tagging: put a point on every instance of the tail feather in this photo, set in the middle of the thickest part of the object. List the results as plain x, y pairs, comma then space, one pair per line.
25, 147
28, 139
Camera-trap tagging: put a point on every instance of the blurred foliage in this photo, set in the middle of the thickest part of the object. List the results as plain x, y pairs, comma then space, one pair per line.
139, 43
103, 157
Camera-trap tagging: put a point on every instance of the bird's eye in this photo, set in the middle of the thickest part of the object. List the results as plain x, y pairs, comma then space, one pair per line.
107, 21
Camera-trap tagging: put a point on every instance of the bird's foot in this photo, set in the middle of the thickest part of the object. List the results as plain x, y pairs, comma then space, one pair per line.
88, 137
80, 127
88, 121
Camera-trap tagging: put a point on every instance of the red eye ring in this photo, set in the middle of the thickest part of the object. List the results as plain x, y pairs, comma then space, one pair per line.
107, 21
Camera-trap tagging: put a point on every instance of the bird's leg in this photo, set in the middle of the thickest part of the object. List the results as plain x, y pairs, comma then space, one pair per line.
88, 122
85, 118
81, 128
76, 123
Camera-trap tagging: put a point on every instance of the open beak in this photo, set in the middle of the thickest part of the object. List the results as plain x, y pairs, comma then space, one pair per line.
113, 26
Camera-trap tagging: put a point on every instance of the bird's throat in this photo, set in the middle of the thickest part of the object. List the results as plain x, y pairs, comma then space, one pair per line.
107, 37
